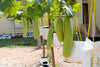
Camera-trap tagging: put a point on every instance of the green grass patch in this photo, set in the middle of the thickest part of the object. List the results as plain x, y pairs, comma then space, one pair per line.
25, 42
18, 42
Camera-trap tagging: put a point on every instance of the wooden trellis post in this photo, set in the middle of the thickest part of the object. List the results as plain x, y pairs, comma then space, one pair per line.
43, 40
53, 58
43, 47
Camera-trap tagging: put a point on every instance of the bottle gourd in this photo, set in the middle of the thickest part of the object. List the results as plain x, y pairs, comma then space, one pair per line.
68, 37
59, 29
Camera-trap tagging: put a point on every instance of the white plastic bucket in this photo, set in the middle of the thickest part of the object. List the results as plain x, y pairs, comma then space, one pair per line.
44, 32
79, 55
82, 52
43, 60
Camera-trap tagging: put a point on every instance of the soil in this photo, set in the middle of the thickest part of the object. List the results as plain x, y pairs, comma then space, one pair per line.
29, 57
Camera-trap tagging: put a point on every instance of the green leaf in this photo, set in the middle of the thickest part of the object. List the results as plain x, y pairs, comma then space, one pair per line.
68, 9
54, 10
75, 6
49, 4
18, 16
33, 12
40, 1
28, 4
5, 4
16, 5
55, 65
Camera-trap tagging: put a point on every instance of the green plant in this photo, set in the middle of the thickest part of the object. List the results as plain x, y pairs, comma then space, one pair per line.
59, 29
49, 39
36, 29
68, 37
49, 57
35, 9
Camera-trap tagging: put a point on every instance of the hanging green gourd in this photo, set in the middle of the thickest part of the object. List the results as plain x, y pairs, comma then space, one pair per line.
59, 29
25, 29
68, 37
36, 29
50, 38
46, 18
28, 23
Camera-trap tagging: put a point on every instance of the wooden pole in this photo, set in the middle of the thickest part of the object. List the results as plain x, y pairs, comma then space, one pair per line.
43, 39
43, 47
53, 58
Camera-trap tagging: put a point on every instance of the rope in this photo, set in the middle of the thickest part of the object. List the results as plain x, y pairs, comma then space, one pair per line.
93, 31
77, 28
90, 19
94, 21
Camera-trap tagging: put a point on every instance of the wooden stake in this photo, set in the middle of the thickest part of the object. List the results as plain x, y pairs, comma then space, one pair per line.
53, 58
43, 47
43, 39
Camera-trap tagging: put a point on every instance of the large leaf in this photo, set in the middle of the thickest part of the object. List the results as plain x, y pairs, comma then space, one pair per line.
28, 4
33, 12
68, 9
5, 4
37, 6
75, 6
54, 10
49, 4
18, 17
16, 5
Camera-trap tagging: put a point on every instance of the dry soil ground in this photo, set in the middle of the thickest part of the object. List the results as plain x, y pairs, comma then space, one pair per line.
29, 57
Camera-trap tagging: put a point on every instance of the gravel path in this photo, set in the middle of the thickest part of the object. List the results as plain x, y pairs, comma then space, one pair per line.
28, 57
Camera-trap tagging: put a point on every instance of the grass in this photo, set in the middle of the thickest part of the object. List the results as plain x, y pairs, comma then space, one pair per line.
24, 42
18, 42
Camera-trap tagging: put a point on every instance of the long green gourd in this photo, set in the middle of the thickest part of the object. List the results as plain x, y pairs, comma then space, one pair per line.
68, 37
59, 29
25, 29
50, 38
36, 29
